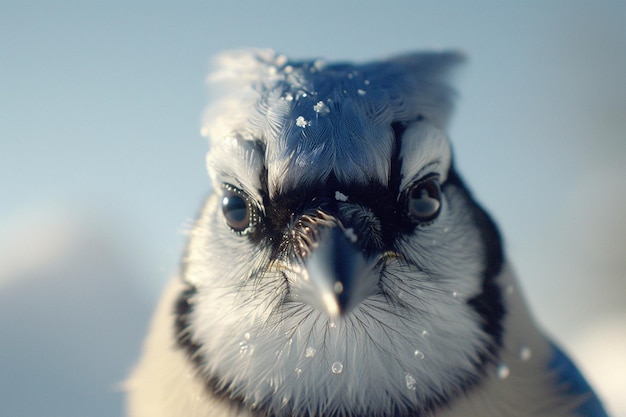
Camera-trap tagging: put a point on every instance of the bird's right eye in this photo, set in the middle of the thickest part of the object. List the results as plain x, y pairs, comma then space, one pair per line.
424, 200
237, 209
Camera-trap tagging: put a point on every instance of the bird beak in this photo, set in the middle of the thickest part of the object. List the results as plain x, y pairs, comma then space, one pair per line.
337, 274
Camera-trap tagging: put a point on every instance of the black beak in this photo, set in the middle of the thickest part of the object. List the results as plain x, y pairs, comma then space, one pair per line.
337, 273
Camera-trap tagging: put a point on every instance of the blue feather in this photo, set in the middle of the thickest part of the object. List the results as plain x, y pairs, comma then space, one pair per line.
570, 377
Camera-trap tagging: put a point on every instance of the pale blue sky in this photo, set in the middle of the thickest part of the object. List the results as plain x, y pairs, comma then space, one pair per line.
100, 107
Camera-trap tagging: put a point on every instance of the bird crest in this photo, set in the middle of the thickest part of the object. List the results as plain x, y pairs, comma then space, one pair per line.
315, 119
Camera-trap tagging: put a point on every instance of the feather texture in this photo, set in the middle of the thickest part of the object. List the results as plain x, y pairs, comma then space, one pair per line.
314, 114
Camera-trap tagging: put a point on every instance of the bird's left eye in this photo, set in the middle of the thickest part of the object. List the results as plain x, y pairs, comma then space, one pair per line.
237, 209
424, 199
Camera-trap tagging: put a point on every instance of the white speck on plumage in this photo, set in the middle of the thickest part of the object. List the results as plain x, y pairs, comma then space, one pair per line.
339, 196
310, 352
349, 232
503, 371
321, 108
337, 367
525, 353
281, 60
302, 122
411, 382
297, 301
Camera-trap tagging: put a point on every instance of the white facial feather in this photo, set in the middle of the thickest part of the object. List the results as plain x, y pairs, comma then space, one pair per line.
303, 121
425, 150
237, 162
269, 352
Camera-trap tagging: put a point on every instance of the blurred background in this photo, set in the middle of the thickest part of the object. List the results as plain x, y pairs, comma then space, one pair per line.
102, 165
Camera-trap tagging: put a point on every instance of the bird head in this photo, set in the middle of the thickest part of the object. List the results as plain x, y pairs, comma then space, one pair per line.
340, 264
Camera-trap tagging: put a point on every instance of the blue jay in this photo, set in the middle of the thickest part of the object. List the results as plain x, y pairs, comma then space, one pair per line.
341, 268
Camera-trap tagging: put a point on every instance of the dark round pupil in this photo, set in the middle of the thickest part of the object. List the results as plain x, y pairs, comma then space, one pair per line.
236, 211
425, 200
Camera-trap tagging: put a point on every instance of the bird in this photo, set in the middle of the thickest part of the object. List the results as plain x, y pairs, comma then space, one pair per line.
340, 267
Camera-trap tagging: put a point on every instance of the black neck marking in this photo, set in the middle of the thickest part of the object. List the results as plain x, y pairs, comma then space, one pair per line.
489, 303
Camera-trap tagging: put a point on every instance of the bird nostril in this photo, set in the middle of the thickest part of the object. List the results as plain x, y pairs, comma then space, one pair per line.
309, 230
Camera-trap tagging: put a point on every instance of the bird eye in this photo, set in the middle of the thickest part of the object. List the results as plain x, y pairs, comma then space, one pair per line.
424, 199
236, 208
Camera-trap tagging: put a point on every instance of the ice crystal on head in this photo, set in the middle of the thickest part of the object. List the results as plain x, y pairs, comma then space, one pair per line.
319, 64
281, 60
361, 92
321, 108
302, 122
339, 196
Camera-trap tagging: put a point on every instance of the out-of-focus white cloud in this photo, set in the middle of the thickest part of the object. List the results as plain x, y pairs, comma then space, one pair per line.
601, 346
596, 215
71, 318
32, 244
